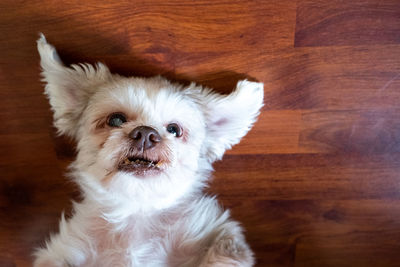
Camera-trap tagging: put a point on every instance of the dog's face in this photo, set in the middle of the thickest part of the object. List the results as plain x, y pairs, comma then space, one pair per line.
141, 127
144, 138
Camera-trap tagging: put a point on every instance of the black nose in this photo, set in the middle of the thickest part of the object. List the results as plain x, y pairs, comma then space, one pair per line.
144, 137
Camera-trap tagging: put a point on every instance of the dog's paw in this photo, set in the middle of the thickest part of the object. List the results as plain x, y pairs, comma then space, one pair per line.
223, 262
229, 251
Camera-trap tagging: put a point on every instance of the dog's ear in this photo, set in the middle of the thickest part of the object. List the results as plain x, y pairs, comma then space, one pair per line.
68, 88
230, 117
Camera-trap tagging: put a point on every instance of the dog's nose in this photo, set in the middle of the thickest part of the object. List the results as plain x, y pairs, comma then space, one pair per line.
144, 137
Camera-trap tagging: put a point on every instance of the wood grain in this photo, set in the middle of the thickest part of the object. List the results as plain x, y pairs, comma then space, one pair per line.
337, 22
338, 235
315, 183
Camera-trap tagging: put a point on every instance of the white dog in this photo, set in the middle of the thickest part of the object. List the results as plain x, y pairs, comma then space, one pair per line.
145, 149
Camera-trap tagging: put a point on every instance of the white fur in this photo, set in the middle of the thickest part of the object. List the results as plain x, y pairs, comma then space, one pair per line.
155, 220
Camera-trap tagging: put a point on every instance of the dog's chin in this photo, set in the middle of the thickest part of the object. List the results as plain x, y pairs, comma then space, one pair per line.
141, 167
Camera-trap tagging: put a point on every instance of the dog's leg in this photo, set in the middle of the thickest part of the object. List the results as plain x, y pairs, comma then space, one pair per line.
229, 248
68, 248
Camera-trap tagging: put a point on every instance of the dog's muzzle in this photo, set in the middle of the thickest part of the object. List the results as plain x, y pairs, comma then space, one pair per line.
139, 163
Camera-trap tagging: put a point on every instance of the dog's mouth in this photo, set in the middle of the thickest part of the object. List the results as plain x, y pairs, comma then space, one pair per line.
140, 166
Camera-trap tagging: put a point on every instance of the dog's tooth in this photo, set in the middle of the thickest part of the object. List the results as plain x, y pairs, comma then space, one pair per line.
159, 164
127, 161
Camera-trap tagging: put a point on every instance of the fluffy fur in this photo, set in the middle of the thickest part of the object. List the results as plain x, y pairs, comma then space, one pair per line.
160, 219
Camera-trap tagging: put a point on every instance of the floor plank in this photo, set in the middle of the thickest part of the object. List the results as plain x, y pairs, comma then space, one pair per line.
308, 176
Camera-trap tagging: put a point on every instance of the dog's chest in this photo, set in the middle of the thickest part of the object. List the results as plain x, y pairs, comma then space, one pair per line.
142, 244
133, 249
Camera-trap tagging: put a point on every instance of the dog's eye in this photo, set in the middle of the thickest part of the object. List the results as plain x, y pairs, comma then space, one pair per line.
175, 129
116, 120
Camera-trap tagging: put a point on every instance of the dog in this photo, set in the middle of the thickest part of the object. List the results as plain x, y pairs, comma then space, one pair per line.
145, 152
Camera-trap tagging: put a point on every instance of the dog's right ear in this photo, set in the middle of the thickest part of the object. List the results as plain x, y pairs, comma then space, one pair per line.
68, 88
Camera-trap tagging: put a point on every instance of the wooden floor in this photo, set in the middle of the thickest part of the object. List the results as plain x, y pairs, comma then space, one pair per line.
316, 182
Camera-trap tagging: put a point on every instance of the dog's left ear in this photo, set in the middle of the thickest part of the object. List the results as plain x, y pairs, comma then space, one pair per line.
230, 117
68, 88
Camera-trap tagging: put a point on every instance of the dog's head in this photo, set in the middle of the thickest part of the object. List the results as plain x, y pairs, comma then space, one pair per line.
144, 138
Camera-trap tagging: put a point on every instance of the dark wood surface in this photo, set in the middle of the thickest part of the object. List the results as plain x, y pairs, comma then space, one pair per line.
317, 181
